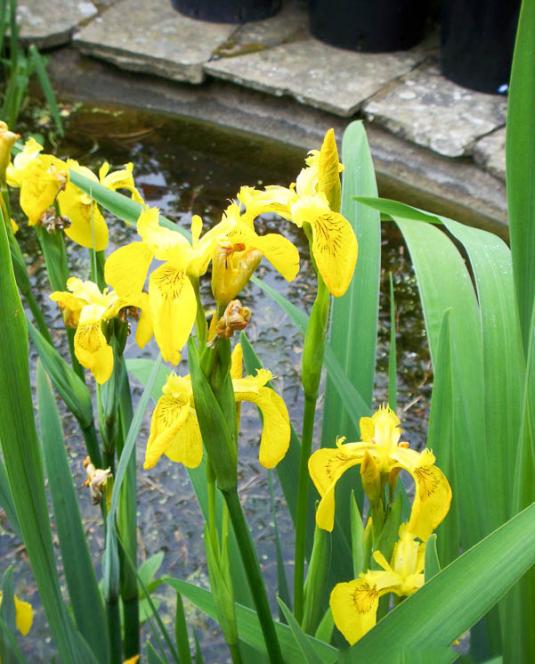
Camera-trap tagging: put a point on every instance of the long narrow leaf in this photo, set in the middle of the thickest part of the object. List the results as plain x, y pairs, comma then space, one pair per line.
6, 500
79, 572
520, 165
46, 87
22, 457
444, 284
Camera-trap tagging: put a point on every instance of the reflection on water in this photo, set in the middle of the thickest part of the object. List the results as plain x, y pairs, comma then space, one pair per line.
187, 168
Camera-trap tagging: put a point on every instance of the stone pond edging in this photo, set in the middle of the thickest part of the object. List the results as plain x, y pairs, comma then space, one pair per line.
436, 139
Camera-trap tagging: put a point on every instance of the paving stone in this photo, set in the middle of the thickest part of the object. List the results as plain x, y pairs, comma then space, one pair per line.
489, 152
427, 109
328, 78
52, 23
289, 24
150, 36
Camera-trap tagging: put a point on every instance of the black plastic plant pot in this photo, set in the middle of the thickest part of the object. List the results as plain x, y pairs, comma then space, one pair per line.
477, 42
227, 11
369, 25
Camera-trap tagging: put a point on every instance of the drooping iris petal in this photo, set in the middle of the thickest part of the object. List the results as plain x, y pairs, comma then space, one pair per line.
173, 307
276, 422
90, 345
354, 607
326, 467
186, 446
174, 427
432, 498
88, 227
127, 267
334, 247
170, 414
280, 252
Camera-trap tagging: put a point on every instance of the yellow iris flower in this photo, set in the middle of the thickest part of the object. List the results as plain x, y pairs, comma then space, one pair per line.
237, 251
88, 309
381, 442
175, 429
172, 298
88, 227
23, 615
308, 203
354, 604
40, 178
232, 245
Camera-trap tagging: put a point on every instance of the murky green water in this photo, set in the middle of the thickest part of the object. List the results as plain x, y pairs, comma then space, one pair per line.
187, 168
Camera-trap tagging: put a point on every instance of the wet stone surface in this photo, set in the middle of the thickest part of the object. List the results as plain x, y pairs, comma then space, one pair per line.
187, 168
151, 37
429, 110
490, 153
322, 76
52, 23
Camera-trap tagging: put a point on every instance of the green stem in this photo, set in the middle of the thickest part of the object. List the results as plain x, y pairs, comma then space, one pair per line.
127, 521
301, 513
92, 446
212, 527
200, 320
254, 575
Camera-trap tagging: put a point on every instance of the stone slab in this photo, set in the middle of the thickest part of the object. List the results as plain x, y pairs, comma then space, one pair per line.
53, 22
461, 190
489, 152
289, 24
150, 36
315, 74
427, 109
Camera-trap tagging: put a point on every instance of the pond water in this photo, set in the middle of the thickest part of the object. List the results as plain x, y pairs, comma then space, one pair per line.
186, 168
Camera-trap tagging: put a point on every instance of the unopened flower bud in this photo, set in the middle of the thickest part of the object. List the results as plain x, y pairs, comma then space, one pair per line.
232, 267
97, 478
235, 319
7, 140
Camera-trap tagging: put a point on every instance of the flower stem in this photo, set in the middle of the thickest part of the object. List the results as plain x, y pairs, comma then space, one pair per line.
254, 575
302, 500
